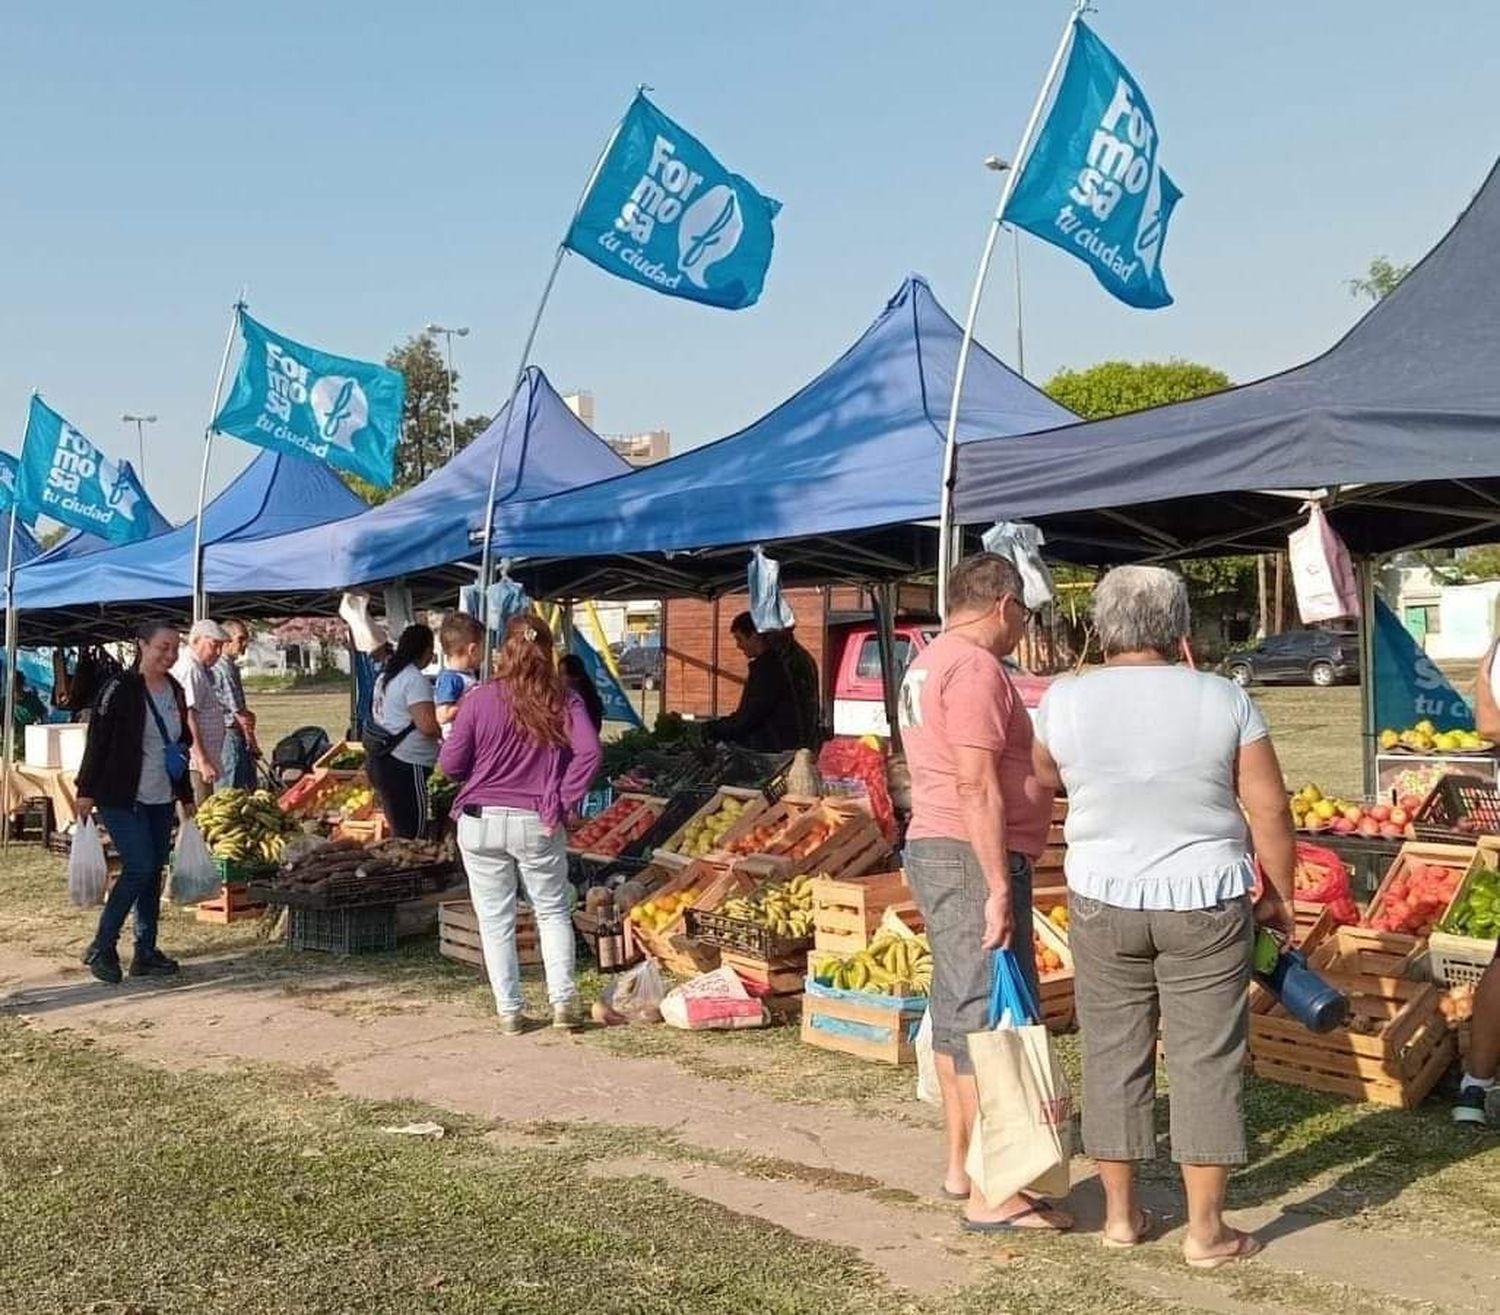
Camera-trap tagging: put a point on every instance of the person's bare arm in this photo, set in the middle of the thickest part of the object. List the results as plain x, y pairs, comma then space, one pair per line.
1263, 794
1486, 712
983, 811
424, 718
1043, 766
447, 713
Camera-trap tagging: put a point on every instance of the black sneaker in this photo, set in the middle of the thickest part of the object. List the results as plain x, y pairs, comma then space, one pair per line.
104, 964
1469, 1107
152, 963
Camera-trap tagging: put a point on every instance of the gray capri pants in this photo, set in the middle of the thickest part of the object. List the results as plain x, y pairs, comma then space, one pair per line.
951, 891
1188, 971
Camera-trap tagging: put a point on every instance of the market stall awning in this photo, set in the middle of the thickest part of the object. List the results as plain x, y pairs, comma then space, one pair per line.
1399, 421
68, 598
420, 535
838, 475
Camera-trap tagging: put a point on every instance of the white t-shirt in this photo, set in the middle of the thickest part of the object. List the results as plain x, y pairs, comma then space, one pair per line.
391, 709
1147, 755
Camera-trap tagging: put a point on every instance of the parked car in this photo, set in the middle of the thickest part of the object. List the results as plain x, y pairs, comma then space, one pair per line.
640, 666
1298, 657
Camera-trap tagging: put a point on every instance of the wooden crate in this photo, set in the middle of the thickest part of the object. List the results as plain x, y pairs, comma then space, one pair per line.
671, 946
776, 983
847, 912
1057, 989
458, 934
606, 938
774, 819
853, 845
1460, 858
368, 830
754, 805
879, 1028
1397, 1046
231, 904
625, 827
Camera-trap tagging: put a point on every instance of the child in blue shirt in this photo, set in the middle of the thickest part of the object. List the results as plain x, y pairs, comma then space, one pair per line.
462, 640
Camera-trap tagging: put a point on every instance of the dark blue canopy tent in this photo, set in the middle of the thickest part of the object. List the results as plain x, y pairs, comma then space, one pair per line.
422, 535
1398, 423
99, 593
839, 477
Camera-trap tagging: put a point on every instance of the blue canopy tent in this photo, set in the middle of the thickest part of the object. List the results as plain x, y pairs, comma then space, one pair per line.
423, 535
840, 477
99, 593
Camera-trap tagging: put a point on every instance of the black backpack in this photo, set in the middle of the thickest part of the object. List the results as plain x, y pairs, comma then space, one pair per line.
95, 668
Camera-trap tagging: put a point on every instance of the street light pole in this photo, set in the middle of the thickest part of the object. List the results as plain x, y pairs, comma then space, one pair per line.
140, 437
448, 336
996, 165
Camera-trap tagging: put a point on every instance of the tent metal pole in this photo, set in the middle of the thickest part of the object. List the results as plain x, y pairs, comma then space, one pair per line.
487, 548
947, 556
885, 618
1367, 728
11, 628
200, 603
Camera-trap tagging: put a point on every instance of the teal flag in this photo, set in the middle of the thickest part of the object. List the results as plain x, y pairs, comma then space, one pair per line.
664, 212
10, 473
296, 399
617, 704
65, 477
1409, 686
1093, 183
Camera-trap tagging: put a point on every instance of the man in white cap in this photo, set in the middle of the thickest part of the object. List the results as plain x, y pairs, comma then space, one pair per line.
195, 673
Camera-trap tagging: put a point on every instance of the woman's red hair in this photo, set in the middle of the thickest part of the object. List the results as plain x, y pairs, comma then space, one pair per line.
526, 667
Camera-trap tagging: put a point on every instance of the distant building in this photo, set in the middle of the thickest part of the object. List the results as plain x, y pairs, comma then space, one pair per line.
1452, 622
644, 449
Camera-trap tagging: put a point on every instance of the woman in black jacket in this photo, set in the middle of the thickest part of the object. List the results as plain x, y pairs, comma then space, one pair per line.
135, 766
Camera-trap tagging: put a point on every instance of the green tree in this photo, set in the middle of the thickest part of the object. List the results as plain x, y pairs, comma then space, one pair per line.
424, 438
1379, 280
1114, 387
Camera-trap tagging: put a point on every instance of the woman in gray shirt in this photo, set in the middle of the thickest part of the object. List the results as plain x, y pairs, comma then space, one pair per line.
1162, 767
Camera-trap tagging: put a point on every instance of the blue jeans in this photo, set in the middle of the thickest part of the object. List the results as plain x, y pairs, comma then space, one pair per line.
237, 764
143, 835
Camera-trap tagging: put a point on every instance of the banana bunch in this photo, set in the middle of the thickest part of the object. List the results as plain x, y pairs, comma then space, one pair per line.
890, 965
245, 825
785, 909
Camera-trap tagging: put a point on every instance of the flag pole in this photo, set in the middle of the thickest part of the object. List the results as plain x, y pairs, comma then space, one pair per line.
947, 548
9, 739
487, 549
199, 601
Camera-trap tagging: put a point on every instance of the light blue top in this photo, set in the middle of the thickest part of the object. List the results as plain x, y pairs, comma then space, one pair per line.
155, 785
1147, 756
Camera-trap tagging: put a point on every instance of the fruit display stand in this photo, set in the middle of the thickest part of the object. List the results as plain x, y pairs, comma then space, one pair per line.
344, 758
847, 911
626, 820
1419, 888
879, 1028
458, 934
1397, 1043
703, 834
1458, 809
755, 834
1055, 978
826, 839
1463, 945
1398, 774
672, 941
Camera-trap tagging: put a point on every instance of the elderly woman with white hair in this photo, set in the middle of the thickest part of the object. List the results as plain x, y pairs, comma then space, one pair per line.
1163, 765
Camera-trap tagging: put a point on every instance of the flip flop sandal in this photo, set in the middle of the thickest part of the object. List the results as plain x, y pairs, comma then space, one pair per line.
1245, 1246
1142, 1234
1040, 1210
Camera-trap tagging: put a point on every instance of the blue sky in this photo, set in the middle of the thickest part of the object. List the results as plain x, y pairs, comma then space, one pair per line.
364, 168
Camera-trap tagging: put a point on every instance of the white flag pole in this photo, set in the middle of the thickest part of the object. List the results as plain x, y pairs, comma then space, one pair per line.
9, 739
487, 549
200, 603
947, 547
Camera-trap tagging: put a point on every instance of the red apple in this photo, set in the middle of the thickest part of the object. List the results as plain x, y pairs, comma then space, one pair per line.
1411, 802
1399, 816
1381, 813
1368, 826
1391, 831
1353, 812
1342, 826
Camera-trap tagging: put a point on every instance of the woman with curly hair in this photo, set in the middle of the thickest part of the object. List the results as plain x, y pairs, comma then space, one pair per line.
526, 751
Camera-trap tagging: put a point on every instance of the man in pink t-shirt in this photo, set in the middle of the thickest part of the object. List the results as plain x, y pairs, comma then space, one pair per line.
979, 816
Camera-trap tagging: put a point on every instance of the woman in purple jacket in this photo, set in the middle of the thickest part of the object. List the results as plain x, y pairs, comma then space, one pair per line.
526, 751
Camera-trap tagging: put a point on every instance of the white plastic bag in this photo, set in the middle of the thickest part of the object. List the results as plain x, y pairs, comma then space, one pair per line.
1022, 544
194, 877
87, 872
1322, 573
637, 994
928, 1089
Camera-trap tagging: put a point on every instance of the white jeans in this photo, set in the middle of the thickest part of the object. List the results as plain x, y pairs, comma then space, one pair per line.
500, 846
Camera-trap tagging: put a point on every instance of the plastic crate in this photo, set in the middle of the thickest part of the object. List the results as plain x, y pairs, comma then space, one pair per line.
366, 930
1458, 960
1459, 808
748, 937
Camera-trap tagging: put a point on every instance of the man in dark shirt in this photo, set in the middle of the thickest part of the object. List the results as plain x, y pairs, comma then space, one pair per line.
778, 706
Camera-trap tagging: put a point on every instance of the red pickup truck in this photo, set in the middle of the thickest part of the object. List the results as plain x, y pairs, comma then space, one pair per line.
854, 669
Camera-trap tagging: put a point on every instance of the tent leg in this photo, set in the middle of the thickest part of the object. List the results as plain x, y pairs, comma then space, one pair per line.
885, 629
1365, 571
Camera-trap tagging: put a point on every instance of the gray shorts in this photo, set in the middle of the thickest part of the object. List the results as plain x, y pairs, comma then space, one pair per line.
1188, 975
951, 891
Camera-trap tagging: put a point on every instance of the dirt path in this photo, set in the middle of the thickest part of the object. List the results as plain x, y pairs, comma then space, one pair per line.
833, 1175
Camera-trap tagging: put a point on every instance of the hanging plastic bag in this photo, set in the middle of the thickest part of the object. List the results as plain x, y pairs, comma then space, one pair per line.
1023, 1135
768, 608
88, 874
1322, 573
637, 994
1022, 544
928, 1089
194, 876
